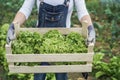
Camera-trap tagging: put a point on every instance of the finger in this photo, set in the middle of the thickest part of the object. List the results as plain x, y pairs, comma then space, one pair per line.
8, 40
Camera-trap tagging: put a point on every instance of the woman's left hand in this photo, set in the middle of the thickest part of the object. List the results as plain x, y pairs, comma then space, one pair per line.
91, 35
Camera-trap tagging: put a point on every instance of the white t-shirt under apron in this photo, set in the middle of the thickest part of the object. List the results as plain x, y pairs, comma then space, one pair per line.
80, 5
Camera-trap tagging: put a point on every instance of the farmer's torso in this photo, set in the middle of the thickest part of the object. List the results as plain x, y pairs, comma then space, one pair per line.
56, 12
53, 15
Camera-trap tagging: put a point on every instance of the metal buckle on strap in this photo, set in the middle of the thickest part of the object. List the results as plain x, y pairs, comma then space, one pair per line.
41, 0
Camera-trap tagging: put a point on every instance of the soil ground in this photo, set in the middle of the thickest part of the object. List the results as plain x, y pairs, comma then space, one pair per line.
77, 76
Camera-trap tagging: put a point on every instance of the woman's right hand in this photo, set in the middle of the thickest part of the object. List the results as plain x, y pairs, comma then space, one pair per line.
10, 33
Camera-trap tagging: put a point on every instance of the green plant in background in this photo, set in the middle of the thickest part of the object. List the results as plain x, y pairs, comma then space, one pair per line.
3, 31
111, 9
8, 10
111, 3
51, 42
20, 77
3, 62
115, 40
106, 19
50, 76
106, 69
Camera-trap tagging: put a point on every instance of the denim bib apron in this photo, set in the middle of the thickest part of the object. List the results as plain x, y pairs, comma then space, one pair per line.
53, 16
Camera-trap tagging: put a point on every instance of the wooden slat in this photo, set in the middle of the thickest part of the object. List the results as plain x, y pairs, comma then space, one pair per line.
44, 30
51, 69
49, 57
90, 48
9, 52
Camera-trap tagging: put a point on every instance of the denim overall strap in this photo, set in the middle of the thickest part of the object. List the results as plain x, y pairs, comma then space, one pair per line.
52, 16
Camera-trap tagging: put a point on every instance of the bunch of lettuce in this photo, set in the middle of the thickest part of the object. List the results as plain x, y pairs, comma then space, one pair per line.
54, 42
26, 43
51, 42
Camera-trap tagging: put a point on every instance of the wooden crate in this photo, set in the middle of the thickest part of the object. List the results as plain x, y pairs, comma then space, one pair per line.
83, 57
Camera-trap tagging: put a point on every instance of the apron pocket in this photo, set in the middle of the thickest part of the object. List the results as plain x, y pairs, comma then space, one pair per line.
53, 16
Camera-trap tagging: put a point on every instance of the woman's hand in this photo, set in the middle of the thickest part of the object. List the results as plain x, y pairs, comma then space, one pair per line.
10, 33
91, 35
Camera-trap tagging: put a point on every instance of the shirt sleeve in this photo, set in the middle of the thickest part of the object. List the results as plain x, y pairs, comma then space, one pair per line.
26, 8
81, 8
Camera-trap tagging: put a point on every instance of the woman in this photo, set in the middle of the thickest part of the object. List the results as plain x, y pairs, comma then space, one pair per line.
53, 13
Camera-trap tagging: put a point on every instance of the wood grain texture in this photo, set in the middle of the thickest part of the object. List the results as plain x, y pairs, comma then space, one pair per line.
49, 57
51, 69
